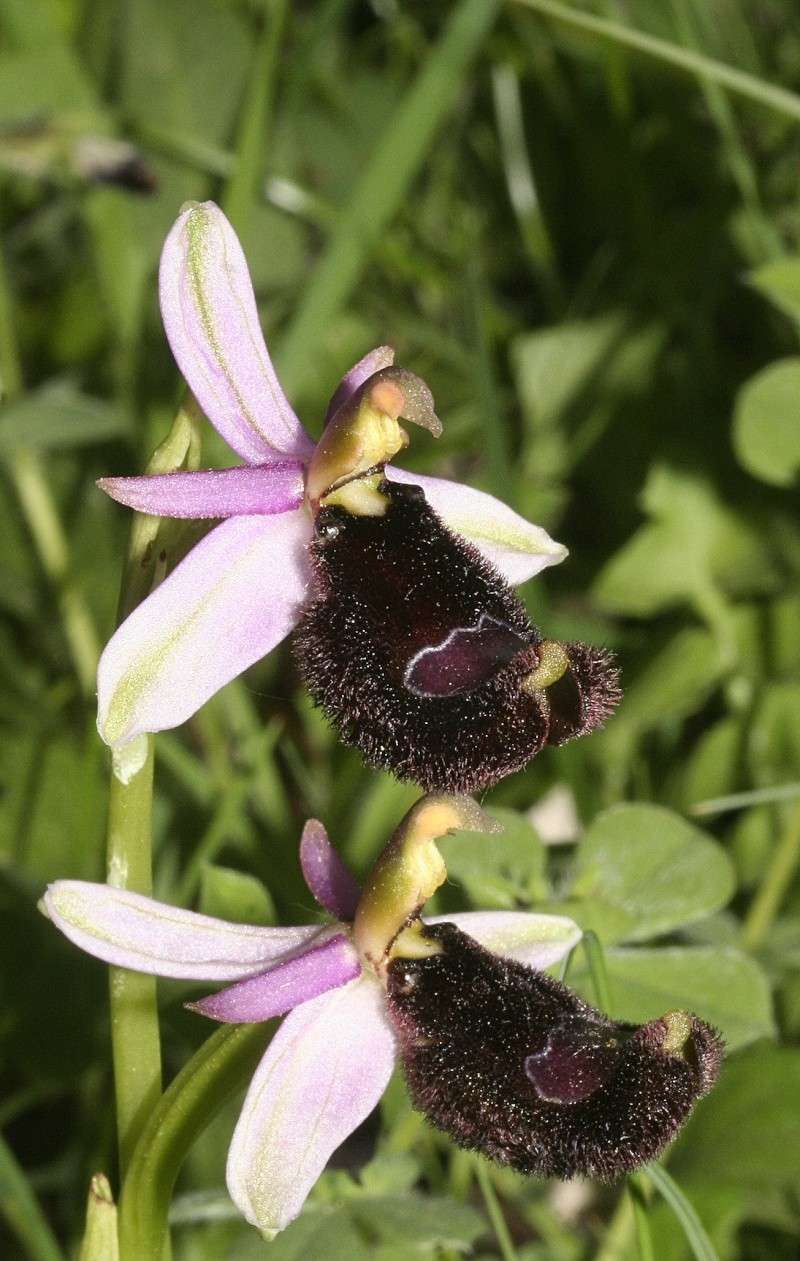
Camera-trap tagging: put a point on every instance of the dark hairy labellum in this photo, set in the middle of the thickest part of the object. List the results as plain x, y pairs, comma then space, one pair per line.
418, 651
513, 1064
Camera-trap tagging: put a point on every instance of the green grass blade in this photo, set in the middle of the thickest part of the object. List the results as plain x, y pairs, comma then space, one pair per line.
696, 1237
256, 118
384, 183
22, 1211
776, 98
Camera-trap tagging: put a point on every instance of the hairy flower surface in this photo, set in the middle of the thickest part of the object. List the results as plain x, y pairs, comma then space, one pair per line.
331, 1059
510, 1062
245, 585
425, 659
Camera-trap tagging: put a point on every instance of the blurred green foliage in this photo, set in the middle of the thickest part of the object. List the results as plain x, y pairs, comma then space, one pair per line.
593, 257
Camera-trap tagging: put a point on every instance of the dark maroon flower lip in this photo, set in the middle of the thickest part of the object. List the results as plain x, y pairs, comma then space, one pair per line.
511, 1063
420, 653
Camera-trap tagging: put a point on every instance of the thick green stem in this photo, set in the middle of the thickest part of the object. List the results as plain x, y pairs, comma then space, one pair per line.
135, 1041
135, 1036
221, 1067
777, 878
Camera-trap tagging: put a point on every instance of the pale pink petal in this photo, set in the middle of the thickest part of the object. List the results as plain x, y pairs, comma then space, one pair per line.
380, 357
284, 986
327, 877
211, 321
230, 492
132, 931
323, 1073
537, 940
235, 596
513, 545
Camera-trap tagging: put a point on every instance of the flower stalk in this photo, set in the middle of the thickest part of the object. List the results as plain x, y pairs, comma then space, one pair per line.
135, 1038
220, 1067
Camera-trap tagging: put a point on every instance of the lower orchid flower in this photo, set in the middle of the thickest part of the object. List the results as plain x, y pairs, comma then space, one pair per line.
500, 1056
410, 637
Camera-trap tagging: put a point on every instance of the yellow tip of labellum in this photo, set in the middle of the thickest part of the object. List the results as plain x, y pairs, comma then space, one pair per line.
553, 665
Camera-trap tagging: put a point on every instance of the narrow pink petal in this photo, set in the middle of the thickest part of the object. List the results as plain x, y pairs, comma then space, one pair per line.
380, 357
537, 940
211, 321
235, 596
323, 1073
284, 986
327, 877
132, 931
513, 545
229, 492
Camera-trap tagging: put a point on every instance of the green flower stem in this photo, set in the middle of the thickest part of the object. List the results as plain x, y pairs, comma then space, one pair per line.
40, 512
596, 962
135, 1041
220, 1068
777, 878
504, 1241
739, 81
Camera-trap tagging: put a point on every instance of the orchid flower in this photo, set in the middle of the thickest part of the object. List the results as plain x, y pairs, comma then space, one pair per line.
244, 586
331, 1059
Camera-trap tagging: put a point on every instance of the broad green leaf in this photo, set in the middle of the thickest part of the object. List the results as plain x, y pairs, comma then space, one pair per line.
554, 365
58, 415
779, 281
720, 984
319, 1234
38, 81
748, 1130
715, 762
674, 682
653, 868
235, 895
498, 872
692, 541
418, 1222
766, 423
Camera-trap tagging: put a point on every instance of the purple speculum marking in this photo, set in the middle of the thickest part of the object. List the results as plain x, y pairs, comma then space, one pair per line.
574, 1063
465, 658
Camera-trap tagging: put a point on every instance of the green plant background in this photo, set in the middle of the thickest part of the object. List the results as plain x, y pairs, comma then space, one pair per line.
589, 245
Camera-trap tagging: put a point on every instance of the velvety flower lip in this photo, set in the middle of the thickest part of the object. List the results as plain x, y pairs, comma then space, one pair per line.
242, 589
513, 1064
330, 1061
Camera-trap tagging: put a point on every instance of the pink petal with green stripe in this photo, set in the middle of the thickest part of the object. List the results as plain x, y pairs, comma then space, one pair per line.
211, 321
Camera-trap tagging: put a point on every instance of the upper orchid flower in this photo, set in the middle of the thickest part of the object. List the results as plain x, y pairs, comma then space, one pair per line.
330, 1061
243, 588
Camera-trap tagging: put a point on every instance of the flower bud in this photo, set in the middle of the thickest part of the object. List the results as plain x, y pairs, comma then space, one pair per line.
511, 1063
